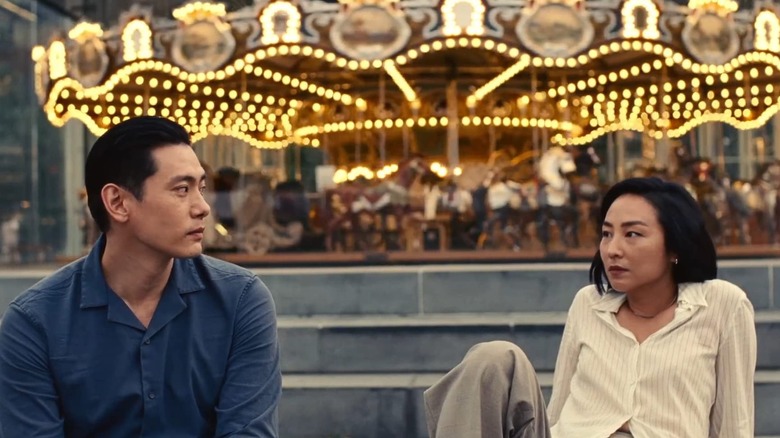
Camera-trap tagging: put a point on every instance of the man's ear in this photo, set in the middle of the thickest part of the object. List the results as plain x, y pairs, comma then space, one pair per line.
115, 200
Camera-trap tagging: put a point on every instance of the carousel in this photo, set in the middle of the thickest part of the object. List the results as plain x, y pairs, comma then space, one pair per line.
442, 124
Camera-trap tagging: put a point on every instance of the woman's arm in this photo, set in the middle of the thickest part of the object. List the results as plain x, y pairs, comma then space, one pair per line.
733, 414
566, 363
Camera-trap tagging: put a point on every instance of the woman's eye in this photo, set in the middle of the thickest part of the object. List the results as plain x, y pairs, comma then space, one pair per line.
605, 234
202, 189
632, 234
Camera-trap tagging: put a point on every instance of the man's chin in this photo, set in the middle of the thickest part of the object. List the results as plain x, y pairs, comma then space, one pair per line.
194, 250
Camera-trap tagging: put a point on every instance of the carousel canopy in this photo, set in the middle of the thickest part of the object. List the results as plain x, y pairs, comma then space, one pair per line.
278, 72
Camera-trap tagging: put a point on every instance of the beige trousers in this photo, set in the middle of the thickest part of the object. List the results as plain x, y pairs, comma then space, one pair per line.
492, 393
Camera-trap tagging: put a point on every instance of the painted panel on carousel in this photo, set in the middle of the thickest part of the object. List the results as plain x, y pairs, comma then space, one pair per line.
204, 42
368, 32
710, 37
88, 60
556, 30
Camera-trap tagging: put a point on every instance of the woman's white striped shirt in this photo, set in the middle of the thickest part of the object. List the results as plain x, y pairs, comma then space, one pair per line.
693, 378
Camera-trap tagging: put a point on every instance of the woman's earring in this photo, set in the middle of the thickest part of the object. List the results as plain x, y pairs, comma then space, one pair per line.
674, 261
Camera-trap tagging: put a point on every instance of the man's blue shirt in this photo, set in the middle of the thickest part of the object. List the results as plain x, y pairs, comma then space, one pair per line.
76, 362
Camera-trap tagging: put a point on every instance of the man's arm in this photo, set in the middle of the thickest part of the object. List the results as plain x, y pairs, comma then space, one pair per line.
28, 398
248, 402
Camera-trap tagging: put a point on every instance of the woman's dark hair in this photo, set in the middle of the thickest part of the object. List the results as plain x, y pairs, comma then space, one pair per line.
684, 232
123, 156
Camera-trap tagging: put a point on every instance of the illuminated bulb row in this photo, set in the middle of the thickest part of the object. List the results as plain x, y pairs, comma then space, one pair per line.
400, 81
629, 125
85, 30
499, 80
191, 12
725, 6
303, 85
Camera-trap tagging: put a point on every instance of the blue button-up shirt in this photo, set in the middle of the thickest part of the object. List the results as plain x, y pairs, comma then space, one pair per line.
76, 362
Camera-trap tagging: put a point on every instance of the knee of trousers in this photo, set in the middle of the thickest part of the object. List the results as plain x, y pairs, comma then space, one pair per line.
497, 356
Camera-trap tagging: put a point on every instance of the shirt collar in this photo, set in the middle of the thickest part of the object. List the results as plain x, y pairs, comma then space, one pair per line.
689, 295
95, 290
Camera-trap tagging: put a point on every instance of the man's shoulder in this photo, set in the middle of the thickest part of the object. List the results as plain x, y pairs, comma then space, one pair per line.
52, 288
216, 268
224, 276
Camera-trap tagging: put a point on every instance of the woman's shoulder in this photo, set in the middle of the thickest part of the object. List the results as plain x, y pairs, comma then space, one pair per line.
586, 296
719, 292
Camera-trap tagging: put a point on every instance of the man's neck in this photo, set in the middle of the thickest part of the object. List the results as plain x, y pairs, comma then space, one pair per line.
133, 271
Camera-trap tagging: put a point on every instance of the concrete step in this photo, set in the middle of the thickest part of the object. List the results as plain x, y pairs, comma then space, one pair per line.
435, 343
413, 290
391, 405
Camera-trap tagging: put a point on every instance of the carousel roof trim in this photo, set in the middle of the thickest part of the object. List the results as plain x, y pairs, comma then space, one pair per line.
176, 87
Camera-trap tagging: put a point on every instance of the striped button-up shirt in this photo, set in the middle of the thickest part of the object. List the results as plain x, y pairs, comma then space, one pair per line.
692, 378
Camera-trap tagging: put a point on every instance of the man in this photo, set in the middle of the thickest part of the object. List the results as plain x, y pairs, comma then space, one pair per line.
144, 337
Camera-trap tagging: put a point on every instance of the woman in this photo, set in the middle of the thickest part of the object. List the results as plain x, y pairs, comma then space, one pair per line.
656, 347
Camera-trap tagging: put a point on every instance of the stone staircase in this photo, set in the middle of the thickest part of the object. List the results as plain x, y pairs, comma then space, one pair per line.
360, 345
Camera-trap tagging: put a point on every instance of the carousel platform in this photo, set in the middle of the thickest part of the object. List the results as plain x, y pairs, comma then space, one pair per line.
360, 344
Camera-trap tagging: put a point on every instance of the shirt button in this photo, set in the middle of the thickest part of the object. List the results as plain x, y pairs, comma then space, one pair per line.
152, 395
147, 342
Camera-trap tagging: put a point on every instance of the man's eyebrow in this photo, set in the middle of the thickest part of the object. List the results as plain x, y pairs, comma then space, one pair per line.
187, 178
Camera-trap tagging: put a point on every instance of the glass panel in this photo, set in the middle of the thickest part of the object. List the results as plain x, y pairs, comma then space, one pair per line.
33, 209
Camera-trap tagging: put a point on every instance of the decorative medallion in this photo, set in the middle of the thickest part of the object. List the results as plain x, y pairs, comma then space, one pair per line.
88, 60
369, 31
204, 42
556, 30
710, 37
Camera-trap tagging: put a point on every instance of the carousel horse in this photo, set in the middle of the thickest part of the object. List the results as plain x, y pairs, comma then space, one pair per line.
369, 211
555, 167
257, 230
766, 200
586, 194
725, 211
511, 205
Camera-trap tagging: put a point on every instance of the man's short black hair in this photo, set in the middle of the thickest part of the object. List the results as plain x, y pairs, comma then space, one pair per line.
684, 232
123, 156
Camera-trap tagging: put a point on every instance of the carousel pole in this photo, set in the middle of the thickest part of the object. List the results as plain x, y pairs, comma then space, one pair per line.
611, 164
534, 132
661, 150
620, 149
775, 136
453, 147
382, 132
405, 140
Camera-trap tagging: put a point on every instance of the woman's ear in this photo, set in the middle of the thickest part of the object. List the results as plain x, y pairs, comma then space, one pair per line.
115, 201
